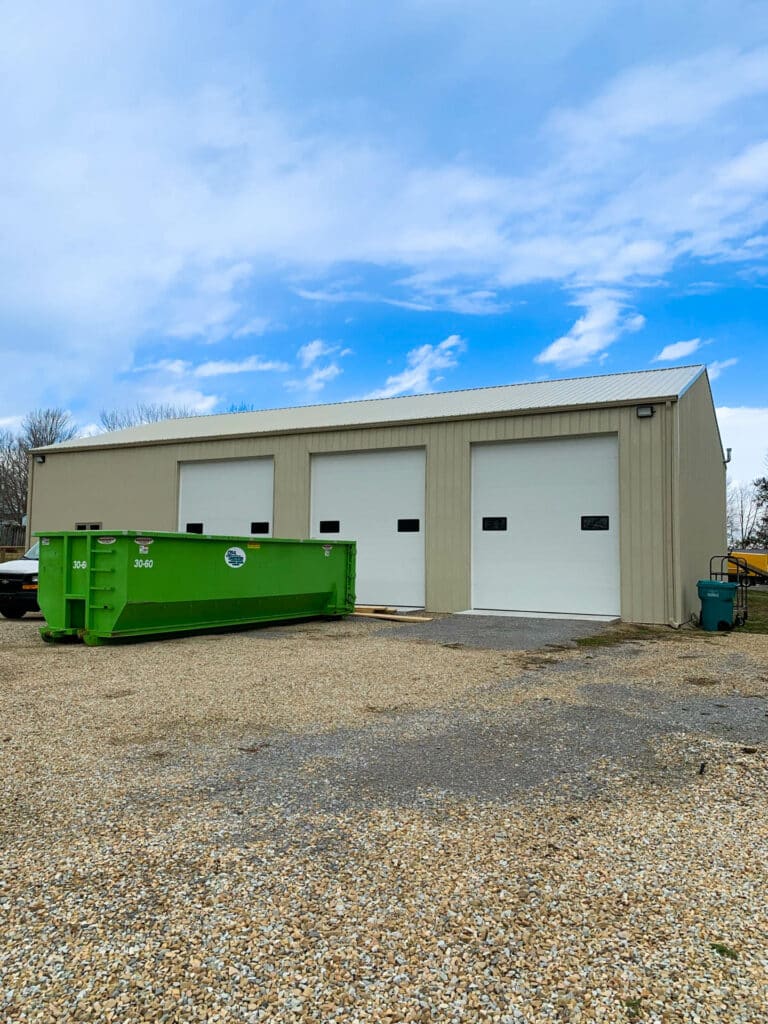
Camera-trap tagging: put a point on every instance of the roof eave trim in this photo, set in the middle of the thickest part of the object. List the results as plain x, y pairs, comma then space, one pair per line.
372, 425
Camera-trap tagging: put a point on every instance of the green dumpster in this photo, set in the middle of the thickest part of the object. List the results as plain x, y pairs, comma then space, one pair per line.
717, 598
103, 585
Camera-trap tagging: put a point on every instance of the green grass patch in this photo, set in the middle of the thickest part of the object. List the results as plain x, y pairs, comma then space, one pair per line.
758, 612
723, 950
625, 633
633, 1007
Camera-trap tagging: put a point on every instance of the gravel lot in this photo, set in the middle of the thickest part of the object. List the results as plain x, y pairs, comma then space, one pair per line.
501, 632
337, 822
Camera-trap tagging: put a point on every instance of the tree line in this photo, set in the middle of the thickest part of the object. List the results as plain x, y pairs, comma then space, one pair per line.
748, 515
43, 427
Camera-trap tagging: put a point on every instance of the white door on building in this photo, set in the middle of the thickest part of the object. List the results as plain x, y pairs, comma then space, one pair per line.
376, 499
232, 497
545, 526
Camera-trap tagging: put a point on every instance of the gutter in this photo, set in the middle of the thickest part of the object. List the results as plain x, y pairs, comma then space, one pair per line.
30, 486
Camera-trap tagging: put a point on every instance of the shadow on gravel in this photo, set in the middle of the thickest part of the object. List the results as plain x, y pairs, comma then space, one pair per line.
537, 748
551, 746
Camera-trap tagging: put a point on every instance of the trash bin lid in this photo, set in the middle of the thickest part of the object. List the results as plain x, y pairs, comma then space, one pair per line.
718, 585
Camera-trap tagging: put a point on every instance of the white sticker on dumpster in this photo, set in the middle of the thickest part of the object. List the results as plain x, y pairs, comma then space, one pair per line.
234, 557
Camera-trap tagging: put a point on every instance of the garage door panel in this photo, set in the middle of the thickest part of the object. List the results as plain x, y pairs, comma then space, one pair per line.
377, 499
545, 561
233, 497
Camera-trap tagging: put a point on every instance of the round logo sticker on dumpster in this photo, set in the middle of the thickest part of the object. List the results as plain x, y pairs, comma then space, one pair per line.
234, 557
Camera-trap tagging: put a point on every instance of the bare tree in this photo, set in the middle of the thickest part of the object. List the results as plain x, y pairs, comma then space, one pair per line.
744, 514
9, 478
761, 529
15, 476
142, 412
46, 426
242, 407
40, 428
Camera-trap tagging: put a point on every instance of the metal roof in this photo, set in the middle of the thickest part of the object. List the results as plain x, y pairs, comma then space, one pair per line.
548, 395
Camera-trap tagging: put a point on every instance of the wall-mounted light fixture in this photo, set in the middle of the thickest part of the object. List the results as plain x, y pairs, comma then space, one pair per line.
39, 459
644, 412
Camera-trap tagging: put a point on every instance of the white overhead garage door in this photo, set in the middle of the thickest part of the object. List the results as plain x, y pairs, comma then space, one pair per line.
545, 526
232, 497
376, 499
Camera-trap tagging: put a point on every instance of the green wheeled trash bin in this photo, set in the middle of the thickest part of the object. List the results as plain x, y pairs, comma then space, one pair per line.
717, 597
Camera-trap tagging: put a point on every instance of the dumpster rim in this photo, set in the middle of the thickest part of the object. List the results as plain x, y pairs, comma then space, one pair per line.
176, 535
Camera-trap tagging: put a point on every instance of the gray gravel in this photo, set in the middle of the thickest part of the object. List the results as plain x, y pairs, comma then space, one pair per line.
538, 748
501, 632
337, 824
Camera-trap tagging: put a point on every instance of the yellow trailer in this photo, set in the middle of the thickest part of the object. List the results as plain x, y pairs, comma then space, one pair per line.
756, 565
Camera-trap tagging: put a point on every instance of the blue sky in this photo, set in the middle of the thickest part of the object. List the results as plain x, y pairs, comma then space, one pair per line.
219, 203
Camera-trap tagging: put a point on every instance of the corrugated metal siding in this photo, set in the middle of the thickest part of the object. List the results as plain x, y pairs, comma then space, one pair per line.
644, 544
138, 488
448, 519
701, 494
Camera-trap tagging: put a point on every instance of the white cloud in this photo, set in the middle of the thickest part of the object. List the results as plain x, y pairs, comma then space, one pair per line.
319, 376
432, 294
251, 365
176, 367
422, 364
189, 398
180, 205
152, 208
90, 430
202, 317
702, 288
678, 350
316, 380
144, 225
601, 325
716, 368
666, 96
334, 294
745, 430
314, 350
749, 170
426, 292
215, 368
256, 325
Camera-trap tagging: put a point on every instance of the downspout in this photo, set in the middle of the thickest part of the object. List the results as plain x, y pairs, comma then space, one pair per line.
30, 485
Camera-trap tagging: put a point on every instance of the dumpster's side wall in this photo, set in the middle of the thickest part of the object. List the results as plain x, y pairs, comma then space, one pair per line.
700, 520
136, 488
